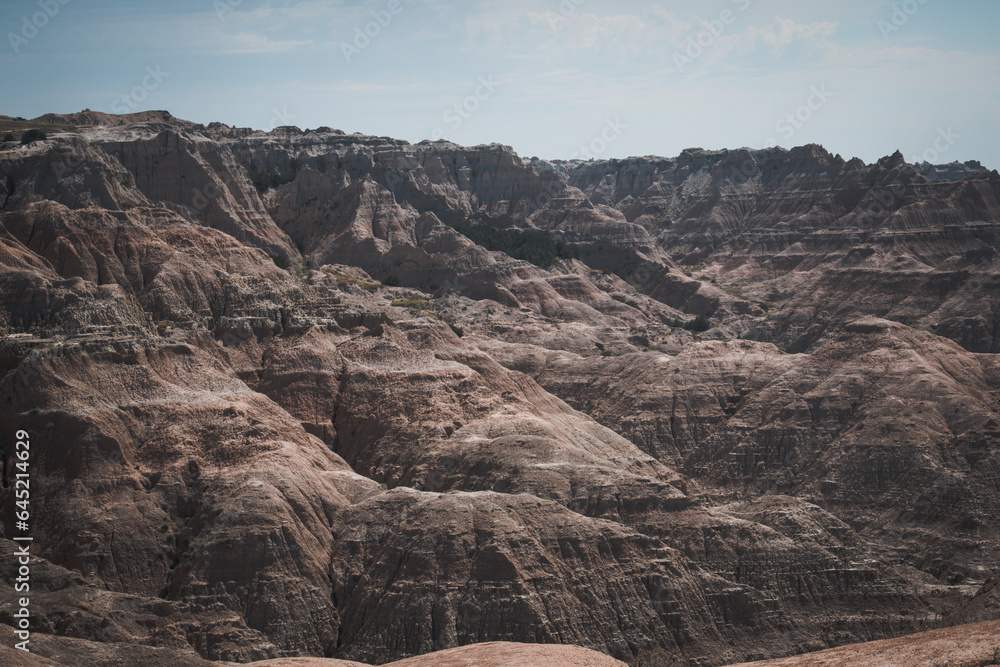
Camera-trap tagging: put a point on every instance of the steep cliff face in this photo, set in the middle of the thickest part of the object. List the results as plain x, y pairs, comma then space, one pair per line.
486, 185
284, 407
202, 180
823, 238
68, 170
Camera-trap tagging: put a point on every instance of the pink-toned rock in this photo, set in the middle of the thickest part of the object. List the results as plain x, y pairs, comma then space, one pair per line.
502, 654
962, 646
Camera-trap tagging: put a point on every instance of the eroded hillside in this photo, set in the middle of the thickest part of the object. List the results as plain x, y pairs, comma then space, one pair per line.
281, 406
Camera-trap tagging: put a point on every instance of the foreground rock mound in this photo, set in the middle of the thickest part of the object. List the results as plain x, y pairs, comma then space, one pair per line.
60, 651
963, 646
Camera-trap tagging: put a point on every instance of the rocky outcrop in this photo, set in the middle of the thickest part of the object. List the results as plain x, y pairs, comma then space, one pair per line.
51, 650
69, 170
312, 418
822, 238
963, 646
202, 180
849, 426
955, 171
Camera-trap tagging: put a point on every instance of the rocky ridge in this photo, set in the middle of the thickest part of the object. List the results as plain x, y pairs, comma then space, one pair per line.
283, 407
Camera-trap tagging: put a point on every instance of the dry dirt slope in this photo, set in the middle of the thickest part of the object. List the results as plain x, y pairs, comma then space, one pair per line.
491, 654
963, 646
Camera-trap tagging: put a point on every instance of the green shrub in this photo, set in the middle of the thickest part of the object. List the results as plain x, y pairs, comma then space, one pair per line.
9, 137
281, 261
345, 279
32, 136
528, 245
391, 280
698, 324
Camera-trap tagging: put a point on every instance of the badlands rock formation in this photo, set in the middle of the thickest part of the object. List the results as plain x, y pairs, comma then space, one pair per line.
282, 406
965, 646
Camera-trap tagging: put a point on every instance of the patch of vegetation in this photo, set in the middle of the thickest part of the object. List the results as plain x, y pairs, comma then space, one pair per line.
9, 137
80, 604
738, 290
690, 269
33, 135
123, 200
345, 279
419, 308
528, 245
264, 181
17, 126
391, 280
698, 324
994, 659
281, 261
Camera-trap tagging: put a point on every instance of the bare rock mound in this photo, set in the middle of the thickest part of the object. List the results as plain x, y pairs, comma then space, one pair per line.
962, 646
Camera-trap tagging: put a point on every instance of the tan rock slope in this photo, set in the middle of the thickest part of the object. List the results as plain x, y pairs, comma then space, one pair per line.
491, 654
963, 646
289, 397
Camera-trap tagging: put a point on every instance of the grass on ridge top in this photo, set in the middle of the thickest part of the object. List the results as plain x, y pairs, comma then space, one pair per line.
17, 127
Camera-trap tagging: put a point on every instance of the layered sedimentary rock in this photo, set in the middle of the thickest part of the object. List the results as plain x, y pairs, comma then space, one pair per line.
282, 407
820, 238
964, 646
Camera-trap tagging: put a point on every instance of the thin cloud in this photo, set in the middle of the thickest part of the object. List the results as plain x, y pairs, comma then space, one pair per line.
249, 42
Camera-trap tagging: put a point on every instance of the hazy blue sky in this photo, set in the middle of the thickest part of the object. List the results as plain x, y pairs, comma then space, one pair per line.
552, 78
